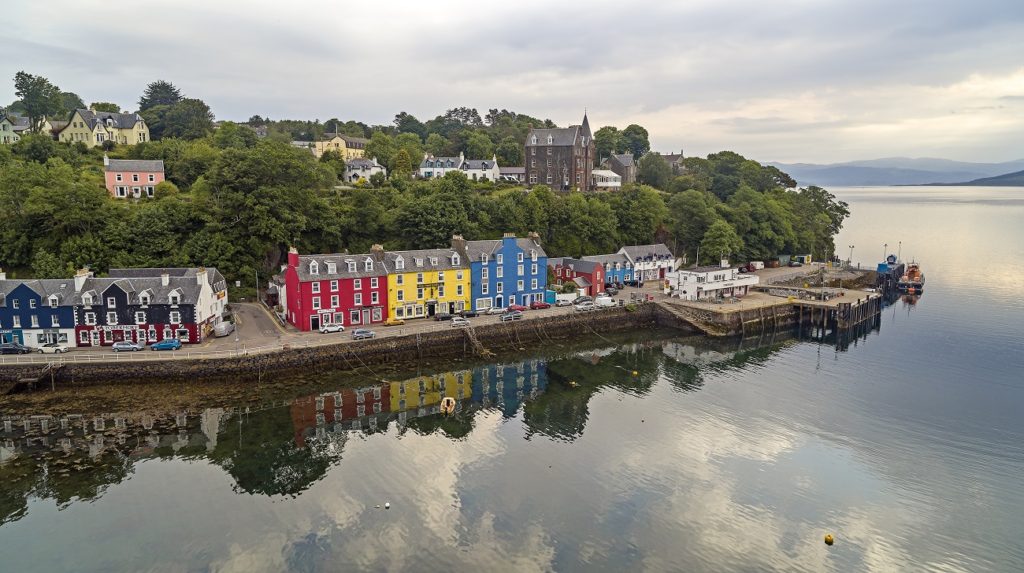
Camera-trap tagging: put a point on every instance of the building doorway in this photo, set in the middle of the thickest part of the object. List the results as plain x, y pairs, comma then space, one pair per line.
314, 322
366, 316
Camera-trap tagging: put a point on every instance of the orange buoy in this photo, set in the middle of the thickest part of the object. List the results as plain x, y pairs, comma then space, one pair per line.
828, 539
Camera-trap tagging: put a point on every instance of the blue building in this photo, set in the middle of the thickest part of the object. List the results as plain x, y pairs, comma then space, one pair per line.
505, 271
36, 312
507, 386
618, 269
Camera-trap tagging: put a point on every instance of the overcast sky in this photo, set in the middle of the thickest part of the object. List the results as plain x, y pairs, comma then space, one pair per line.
801, 80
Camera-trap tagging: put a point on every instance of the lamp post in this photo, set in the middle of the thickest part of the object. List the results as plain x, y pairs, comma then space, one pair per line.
849, 261
885, 249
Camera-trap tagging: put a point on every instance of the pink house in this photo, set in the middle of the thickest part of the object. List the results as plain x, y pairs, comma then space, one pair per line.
132, 177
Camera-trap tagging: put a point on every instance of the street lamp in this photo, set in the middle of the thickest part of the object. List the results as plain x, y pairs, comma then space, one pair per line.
885, 249
849, 261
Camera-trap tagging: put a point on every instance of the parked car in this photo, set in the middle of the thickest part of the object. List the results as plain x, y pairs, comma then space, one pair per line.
468, 313
612, 291
128, 346
458, 321
581, 299
442, 316
539, 304
604, 301
331, 328
511, 315
563, 302
14, 348
223, 328
496, 310
517, 307
795, 264
166, 344
584, 306
361, 333
53, 348
392, 321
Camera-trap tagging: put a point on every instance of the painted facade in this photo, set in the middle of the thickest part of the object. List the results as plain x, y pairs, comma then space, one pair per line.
36, 312
561, 158
588, 275
132, 177
358, 168
8, 135
436, 167
505, 271
94, 127
650, 262
426, 392
351, 290
618, 269
349, 147
703, 283
426, 282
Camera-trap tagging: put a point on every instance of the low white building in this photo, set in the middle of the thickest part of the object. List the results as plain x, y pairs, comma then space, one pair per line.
605, 180
356, 169
434, 167
650, 262
704, 283
480, 169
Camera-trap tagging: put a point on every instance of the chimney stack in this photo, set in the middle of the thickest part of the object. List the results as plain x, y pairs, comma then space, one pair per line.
201, 276
458, 243
165, 279
509, 236
80, 276
377, 251
106, 160
533, 236
293, 257
3, 275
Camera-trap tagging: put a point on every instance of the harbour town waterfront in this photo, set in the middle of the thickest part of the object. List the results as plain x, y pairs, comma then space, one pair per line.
725, 454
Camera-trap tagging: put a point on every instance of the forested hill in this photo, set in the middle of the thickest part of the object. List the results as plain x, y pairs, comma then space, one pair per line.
1015, 179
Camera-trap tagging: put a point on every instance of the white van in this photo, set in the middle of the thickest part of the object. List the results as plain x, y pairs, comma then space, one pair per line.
604, 301
223, 329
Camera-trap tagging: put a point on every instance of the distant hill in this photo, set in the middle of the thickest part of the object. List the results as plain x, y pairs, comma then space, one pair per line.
895, 171
1015, 179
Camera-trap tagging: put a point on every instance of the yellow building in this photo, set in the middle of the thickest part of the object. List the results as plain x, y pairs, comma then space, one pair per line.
94, 127
426, 282
427, 391
349, 147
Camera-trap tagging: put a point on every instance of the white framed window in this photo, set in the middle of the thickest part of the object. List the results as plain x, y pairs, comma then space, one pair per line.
144, 300
111, 318
520, 269
419, 292
135, 177
484, 288
316, 286
83, 337
357, 284
500, 259
152, 178
519, 257
353, 316
419, 278
500, 272
31, 303
54, 321
16, 321
484, 273
399, 263
440, 276
175, 299
314, 268
140, 317
533, 284
334, 286
519, 286
456, 260
359, 299
401, 295
458, 275
374, 283
118, 178
111, 302
334, 301
458, 290
500, 288
368, 265
34, 321
400, 280
440, 291
90, 318
533, 269
15, 303
374, 297
175, 317
316, 302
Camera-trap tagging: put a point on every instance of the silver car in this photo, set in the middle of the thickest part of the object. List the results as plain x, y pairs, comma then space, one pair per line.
128, 346
460, 321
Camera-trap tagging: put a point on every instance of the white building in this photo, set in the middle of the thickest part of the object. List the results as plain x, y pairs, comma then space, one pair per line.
605, 180
703, 283
480, 169
432, 167
356, 169
650, 262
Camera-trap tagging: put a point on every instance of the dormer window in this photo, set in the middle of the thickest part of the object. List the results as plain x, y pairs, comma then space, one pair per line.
419, 262
483, 258
53, 302
550, 140
399, 263
144, 300
455, 260
433, 261
368, 265
533, 255
175, 299
314, 268
351, 266
533, 140
332, 268
86, 300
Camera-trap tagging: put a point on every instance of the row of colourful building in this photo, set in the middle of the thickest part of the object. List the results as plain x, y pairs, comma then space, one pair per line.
365, 289
142, 305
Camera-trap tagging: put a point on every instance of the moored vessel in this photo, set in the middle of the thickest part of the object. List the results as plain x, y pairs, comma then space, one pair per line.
912, 281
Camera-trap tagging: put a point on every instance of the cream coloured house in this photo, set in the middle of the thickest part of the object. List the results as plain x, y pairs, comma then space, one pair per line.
95, 127
349, 147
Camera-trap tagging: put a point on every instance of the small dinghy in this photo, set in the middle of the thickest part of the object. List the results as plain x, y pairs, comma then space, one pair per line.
448, 405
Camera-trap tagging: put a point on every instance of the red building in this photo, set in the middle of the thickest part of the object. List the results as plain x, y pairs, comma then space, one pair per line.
588, 275
312, 412
132, 177
351, 290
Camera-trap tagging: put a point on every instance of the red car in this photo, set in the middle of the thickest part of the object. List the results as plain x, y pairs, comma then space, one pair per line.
515, 307
539, 304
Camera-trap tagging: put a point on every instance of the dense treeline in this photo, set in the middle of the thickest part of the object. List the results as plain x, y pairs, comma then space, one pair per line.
236, 201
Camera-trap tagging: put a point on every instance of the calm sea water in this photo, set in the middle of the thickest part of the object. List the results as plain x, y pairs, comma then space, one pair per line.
907, 446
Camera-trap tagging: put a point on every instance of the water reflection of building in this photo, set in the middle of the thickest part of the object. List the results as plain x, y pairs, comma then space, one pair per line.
506, 386
312, 415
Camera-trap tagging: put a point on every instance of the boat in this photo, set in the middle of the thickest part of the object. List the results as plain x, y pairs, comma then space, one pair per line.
448, 406
912, 281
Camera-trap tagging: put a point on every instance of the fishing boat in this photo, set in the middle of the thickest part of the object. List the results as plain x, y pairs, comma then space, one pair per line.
912, 281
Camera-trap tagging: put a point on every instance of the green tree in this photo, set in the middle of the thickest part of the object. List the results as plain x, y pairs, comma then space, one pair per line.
334, 159
510, 152
653, 170
39, 97
721, 240
412, 145
157, 93
188, 119
231, 134
479, 146
382, 146
403, 166
46, 265
69, 102
691, 213
636, 140
437, 145
608, 140
154, 117
407, 123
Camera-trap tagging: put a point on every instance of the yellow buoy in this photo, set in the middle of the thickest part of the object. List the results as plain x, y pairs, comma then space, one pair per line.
828, 539
572, 383
635, 373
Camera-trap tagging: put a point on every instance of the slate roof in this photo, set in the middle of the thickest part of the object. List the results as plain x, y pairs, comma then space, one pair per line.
671, 157
432, 162
581, 281
340, 261
607, 173
479, 164
512, 170
559, 136
610, 258
707, 269
149, 165
120, 120
623, 159
361, 163
213, 276
350, 141
443, 256
489, 246
20, 123
637, 252
184, 283
581, 265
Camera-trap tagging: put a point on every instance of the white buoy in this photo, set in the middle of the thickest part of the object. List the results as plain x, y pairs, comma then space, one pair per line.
387, 505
